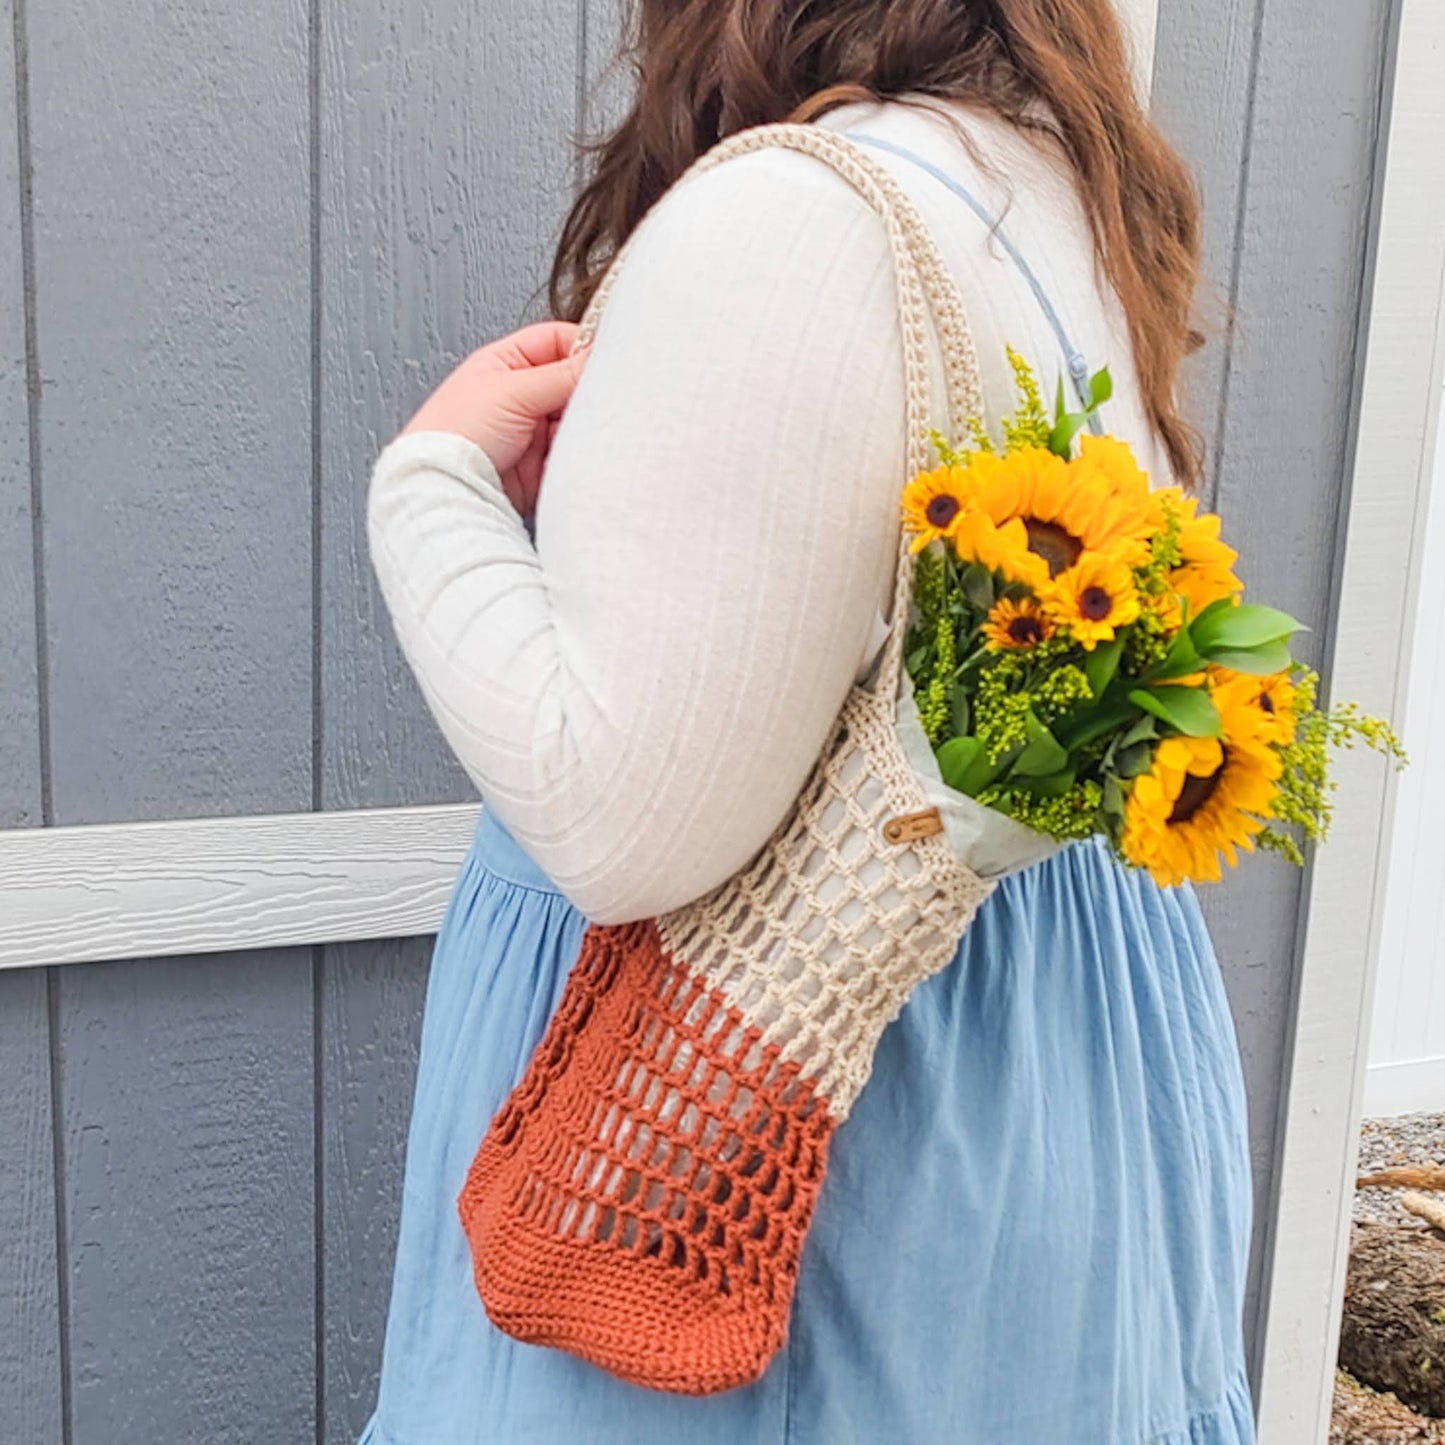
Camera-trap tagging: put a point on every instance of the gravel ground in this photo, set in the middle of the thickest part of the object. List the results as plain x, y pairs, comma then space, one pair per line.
1387, 1143
1361, 1417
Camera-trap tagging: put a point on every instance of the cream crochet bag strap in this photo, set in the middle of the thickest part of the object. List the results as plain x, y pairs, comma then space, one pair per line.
642, 1196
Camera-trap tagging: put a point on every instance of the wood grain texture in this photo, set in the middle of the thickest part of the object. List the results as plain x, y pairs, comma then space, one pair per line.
204, 885
1384, 560
186, 1106
446, 169
605, 85
1285, 450
173, 311
371, 1006
1205, 57
19, 680
1278, 114
173, 314
30, 1370
31, 1397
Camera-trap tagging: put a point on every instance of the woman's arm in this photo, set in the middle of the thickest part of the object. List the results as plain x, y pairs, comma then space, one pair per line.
640, 696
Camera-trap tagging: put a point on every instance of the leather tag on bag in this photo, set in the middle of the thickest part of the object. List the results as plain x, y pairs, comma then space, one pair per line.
908, 826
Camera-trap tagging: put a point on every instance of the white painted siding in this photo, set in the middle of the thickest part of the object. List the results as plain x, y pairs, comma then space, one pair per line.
1407, 1040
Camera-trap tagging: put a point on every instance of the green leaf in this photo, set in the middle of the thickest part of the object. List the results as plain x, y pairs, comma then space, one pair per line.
1247, 625
1142, 730
1189, 710
1179, 661
916, 657
1217, 606
1042, 754
1112, 803
1101, 388
1051, 785
1082, 728
959, 710
1101, 665
1059, 400
978, 586
1061, 439
1135, 759
965, 765
1259, 661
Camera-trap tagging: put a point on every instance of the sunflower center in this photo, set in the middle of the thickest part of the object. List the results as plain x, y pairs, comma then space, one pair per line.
1025, 631
941, 510
1196, 792
1059, 548
1094, 604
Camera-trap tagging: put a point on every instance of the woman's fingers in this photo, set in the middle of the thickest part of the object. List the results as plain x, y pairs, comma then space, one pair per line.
504, 395
535, 345
542, 390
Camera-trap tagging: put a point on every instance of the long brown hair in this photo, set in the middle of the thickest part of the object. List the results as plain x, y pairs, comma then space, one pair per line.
1058, 68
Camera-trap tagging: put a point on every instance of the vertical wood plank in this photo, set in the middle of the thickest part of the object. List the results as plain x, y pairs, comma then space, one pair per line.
371, 1007
31, 1389
605, 88
1394, 422
187, 1114
31, 1392
446, 170
1278, 114
171, 186
171, 231
1205, 60
19, 678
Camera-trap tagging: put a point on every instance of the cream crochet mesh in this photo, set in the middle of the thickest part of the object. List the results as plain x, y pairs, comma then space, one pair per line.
820, 939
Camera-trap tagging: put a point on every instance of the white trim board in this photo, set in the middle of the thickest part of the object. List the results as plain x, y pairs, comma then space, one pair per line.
213, 885
1394, 454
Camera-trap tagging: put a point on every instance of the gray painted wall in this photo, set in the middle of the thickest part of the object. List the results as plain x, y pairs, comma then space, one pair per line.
237, 246
1276, 103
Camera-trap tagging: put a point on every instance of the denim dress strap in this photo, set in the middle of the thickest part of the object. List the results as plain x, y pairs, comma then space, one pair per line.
1077, 364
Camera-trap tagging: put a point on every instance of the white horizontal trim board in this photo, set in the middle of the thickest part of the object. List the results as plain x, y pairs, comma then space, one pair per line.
213, 885
1405, 1086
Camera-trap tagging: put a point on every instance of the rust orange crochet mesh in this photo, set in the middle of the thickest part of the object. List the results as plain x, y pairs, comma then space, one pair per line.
652, 1217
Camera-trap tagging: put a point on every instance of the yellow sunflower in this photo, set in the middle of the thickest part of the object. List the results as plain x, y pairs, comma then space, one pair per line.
1202, 798
1205, 572
1016, 624
1066, 508
1092, 598
1002, 549
1271, 698
934, 503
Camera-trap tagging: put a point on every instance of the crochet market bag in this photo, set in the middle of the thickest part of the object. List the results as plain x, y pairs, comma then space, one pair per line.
642, 1197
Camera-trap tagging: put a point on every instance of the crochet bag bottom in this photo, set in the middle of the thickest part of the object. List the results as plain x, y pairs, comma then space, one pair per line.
642, 1197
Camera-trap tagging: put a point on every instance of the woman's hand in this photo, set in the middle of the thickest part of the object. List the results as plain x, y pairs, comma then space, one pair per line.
508, 398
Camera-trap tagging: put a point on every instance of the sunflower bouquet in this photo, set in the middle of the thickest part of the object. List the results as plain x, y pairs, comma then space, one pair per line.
1082, 660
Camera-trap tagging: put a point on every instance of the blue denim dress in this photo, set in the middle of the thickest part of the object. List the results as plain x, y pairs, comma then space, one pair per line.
1033, 1229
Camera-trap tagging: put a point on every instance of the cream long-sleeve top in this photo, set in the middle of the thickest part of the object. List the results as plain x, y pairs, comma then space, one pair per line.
640, 693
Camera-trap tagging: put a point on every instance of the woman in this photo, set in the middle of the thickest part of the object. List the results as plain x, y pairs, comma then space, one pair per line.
1035, 1221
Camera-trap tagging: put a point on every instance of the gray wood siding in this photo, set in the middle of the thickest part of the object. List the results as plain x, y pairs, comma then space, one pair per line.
30, 1338
238, 245
444, 174
1276, 104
